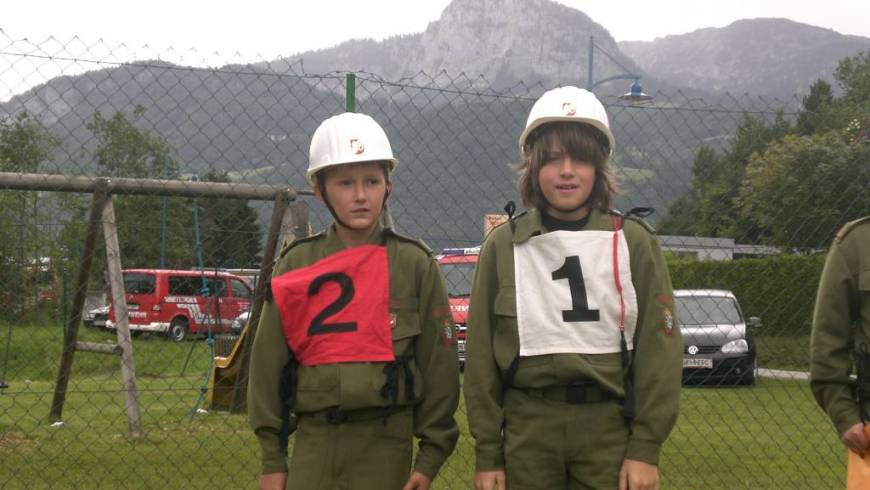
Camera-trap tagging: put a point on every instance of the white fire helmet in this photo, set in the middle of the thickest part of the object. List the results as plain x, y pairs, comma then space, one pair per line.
348, 138
570, 104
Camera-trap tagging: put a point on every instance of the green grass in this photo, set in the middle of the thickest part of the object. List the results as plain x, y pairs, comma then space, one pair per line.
771, 435
784, 352
768, 436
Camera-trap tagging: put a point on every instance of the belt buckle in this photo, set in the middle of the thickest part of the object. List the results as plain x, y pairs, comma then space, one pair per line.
335, 415
576, 393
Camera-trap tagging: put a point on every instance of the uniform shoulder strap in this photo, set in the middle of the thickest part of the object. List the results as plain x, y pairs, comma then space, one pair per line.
851, 226
292, 242
404, 238
637, 215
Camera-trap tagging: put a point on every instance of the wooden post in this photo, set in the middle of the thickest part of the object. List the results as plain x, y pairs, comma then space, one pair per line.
99, 348
72, 327
122, 329
282, 202
300, 225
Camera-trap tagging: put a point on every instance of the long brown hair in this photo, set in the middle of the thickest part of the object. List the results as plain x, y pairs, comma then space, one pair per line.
582, 142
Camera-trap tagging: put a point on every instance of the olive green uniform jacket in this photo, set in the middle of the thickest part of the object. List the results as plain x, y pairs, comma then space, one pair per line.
841, 323
423, 330
493, 343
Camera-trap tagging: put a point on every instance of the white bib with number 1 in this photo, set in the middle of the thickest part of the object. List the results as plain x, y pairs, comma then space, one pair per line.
567, 300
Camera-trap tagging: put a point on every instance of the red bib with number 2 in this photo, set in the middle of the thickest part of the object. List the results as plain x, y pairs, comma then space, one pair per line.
337, 309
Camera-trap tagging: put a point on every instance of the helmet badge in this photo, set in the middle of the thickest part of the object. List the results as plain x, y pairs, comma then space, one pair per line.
357, 146
569, 108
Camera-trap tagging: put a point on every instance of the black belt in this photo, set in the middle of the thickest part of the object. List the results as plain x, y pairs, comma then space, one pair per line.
572, 394
336, 416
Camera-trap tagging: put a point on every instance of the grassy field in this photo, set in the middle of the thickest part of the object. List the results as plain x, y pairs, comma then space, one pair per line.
768, 436
791, 353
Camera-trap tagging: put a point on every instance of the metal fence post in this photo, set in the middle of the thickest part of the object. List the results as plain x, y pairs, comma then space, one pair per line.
350, 93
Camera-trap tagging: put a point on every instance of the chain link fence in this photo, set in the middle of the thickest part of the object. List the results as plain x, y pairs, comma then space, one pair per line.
75, 109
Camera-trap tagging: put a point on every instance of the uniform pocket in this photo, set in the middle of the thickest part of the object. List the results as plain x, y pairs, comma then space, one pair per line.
506, 302
506, 341
317, 388
405, 322
317, 378
406, 327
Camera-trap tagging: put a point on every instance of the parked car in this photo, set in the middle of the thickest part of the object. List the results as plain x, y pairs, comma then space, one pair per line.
174, 301
718, 342
240, 322
457, 265
96, 317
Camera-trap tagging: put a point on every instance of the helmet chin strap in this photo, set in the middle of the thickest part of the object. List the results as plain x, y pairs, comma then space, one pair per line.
325, 197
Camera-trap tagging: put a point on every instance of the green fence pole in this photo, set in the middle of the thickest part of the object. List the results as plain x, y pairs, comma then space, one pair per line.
163, 222
350, 93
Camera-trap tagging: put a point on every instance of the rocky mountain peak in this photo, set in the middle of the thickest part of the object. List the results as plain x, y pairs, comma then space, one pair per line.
492, 42
507, 41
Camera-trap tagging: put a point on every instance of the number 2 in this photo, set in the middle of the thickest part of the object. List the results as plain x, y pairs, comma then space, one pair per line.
317, 326
580, 311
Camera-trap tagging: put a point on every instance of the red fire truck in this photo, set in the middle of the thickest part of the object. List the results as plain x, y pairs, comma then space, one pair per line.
179, 303
458, 264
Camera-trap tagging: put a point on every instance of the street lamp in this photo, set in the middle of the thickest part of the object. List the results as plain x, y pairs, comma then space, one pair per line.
635, 94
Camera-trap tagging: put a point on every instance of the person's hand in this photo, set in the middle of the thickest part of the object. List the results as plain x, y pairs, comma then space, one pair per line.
489, 480
418, 481
637, 475
273, 481
856, 440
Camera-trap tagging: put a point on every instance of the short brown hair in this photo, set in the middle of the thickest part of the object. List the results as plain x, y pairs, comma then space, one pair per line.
581, 142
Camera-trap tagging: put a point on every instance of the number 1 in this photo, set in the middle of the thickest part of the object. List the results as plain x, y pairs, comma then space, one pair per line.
580, 311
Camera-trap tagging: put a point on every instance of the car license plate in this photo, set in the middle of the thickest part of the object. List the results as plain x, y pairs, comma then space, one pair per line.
460, 346
698, 363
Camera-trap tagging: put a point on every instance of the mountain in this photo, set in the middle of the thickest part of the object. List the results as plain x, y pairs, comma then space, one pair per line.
492, 42
772, 57
453, 99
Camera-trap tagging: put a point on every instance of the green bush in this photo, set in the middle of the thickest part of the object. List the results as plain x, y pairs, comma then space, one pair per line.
781, 290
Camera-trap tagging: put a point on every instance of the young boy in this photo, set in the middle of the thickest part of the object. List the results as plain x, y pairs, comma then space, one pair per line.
356, 340
840, 342
573, 362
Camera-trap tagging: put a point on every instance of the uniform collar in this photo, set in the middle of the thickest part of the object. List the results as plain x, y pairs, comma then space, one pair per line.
529, 224
334, 244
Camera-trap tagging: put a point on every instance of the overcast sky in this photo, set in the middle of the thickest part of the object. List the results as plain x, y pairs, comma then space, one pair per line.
37, 42
274, 28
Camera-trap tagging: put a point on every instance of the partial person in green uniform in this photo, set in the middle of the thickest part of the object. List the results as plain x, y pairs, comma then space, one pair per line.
355, 353
574, 358
840, 343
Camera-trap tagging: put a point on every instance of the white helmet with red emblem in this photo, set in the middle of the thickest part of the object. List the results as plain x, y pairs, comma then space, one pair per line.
348, 138
567, 104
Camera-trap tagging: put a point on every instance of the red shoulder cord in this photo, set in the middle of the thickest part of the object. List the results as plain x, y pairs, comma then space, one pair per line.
617, 224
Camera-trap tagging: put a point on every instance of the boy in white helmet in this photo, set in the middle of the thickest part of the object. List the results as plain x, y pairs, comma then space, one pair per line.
355, 349
573, 362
